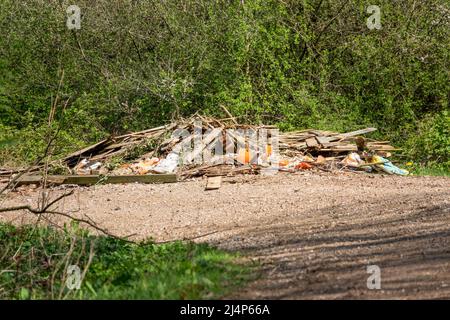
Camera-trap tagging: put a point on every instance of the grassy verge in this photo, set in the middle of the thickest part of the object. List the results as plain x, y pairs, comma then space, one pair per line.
35, 263
430, 171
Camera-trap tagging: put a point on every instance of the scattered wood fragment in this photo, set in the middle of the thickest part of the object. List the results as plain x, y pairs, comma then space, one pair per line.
213, 183
311, 142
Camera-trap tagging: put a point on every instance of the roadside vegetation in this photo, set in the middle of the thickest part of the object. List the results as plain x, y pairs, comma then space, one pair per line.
139, 64
296, 64
35, 263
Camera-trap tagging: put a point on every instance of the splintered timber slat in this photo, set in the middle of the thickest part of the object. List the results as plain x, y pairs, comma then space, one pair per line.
323, 140
356, 133
86, 150
108, 147
206, 141
311, 142
144, 132
213, 183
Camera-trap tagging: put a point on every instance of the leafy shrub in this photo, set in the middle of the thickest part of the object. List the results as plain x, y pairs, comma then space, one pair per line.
136, 64
430, 143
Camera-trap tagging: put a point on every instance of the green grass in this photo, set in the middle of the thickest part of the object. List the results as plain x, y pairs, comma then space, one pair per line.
33, 265
430, 171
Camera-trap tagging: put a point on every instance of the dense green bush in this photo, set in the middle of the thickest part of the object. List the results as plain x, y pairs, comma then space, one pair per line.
312, 63
431, 143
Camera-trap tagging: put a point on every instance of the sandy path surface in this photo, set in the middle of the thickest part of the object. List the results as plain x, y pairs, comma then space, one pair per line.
314, 235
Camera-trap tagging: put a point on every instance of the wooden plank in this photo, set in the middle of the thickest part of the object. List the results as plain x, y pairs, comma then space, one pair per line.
213, 183
354, 133
312, 142
335, 149
189, 157
344, 147
87, 149
86, 180
23, 180
329, 133
380, 146
323, 140
145, 132
55, 179
297, 146
354, 148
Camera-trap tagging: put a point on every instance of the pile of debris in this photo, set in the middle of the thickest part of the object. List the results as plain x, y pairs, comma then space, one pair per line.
114, 146
162, 152
328, 142
201, 146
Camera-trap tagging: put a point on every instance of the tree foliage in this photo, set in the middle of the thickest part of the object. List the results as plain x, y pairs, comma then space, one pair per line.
310, 63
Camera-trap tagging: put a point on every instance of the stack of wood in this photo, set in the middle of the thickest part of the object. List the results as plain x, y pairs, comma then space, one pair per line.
121, 146
309, 141
319, 142
116, 145
159, 142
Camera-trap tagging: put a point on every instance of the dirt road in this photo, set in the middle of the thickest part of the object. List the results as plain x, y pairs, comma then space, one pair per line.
314, 235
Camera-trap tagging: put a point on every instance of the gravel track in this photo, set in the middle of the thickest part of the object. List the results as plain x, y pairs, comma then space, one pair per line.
313, 234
